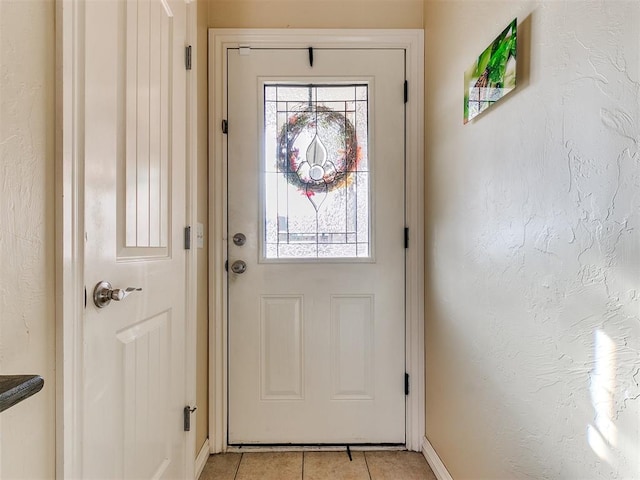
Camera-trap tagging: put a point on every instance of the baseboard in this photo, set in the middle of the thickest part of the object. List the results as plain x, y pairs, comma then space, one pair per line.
434, 461
201, 459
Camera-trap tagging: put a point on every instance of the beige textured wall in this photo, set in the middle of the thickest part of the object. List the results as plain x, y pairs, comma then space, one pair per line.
27, 315
202, 347
315, 13
533, 209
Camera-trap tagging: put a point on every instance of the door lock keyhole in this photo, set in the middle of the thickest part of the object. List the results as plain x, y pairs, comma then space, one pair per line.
239, 239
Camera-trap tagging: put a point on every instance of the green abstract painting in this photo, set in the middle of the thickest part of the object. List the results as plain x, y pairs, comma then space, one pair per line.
492, 75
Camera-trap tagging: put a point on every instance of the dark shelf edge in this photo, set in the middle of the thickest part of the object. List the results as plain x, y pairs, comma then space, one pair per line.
16, 388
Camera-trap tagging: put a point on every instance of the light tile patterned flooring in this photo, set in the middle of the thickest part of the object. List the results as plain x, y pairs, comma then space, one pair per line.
387, 465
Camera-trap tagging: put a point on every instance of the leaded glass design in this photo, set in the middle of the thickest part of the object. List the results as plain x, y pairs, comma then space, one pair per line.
316, 172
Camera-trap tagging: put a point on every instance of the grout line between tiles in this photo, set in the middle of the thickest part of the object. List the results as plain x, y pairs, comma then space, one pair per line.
364, 454
238, 467
302, 477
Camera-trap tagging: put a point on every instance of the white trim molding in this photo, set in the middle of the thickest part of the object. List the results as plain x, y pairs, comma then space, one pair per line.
69, 185
434, 461
191, 291
201, 459
412, 41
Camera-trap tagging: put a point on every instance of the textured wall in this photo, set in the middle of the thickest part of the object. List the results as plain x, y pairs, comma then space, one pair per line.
533, 328
315, 13
27, 317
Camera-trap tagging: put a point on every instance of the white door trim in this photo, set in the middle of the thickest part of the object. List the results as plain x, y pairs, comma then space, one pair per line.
69, 251
69, 245
411, 40
191, 287
69, 236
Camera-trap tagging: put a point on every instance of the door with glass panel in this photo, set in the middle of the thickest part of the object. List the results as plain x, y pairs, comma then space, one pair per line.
316, 246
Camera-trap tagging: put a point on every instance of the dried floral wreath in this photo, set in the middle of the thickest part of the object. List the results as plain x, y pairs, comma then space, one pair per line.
318, 171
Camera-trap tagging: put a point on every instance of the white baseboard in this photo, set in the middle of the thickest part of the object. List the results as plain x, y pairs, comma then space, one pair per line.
201, 459
434, 461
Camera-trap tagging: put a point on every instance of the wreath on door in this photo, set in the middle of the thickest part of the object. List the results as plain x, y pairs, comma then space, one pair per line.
317, 149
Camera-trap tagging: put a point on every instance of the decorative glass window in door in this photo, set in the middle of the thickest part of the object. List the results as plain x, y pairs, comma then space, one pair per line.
316, 172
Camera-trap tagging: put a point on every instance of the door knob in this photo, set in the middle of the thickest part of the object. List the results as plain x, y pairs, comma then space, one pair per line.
103, 293
238, 266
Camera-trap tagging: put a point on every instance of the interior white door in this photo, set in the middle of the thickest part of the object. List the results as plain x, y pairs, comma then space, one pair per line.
316, 185
133, 385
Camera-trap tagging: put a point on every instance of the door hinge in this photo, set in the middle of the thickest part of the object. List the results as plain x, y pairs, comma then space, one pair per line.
406, 384
187, 57
406, 237
225, 127
406, 91
187, 238
187, 417
226, 265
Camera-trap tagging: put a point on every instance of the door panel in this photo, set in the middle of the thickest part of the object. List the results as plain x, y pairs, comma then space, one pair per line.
352, 347
281, 348
144, 202
133, 389
316, 183
146, 394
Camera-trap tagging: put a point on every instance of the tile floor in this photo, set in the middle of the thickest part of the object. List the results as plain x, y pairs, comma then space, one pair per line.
388, 465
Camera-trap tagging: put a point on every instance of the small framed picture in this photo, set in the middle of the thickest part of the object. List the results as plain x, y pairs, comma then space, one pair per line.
492, 75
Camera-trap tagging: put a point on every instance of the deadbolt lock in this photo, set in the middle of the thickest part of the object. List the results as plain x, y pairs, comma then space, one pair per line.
239, 239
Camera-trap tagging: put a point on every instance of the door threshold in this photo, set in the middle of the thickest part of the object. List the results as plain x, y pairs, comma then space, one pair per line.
324, 447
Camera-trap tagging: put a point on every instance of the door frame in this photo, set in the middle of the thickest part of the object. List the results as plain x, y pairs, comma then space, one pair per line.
70, 294
413, 42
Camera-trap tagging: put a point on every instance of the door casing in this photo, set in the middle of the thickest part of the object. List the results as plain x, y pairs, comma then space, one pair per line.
412, 41
70, 296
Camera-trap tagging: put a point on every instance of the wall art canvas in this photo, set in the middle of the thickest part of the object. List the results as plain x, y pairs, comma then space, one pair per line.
492, 75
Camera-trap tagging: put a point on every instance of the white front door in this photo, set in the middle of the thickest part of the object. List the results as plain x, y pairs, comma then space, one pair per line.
133, 117
316, 176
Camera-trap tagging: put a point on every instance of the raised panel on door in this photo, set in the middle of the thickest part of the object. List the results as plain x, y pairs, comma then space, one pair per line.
352, 347
281, 348
145, 131
146, 394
